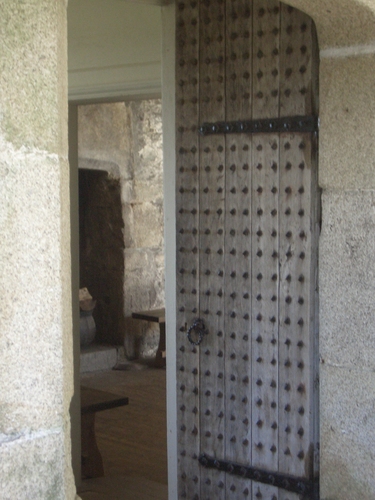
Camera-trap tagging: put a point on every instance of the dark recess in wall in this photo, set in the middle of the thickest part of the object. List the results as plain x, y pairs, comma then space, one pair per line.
101, 251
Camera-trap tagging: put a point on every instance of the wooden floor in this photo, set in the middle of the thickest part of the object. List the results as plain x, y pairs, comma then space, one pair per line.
132, 439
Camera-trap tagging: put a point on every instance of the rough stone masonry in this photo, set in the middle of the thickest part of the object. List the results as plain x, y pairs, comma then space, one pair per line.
124, 139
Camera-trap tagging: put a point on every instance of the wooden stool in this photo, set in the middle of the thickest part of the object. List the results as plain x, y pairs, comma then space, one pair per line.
157, 316
92, 401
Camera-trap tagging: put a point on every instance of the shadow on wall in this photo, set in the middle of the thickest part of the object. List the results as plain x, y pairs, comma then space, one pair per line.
101, 256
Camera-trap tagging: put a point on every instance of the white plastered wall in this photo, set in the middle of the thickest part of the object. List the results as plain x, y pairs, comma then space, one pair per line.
114, 49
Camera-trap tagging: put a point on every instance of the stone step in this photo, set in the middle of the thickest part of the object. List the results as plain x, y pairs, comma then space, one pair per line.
98, 357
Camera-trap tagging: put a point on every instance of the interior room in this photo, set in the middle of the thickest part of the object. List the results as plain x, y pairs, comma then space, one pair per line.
115, 90
121, 225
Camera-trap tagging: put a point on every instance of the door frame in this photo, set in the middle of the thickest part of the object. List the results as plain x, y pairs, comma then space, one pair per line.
169, 181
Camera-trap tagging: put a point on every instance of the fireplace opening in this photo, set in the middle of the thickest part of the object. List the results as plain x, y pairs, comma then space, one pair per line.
121, 224
101, 252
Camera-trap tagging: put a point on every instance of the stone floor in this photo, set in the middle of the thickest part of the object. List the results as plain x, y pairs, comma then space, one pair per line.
132, 439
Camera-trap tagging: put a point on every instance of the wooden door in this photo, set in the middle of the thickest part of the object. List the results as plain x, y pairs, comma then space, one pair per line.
247, 229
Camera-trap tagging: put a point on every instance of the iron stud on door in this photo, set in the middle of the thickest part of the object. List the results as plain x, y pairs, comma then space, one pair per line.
249, 189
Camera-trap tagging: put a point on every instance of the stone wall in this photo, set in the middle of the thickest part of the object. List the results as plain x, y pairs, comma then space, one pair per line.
347, 276
125, 140
36, 361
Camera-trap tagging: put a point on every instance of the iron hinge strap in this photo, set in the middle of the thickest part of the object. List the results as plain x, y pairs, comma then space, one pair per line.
306, 488
263, 126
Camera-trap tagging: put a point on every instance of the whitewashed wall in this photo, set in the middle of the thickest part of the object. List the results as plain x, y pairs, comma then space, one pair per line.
114, 49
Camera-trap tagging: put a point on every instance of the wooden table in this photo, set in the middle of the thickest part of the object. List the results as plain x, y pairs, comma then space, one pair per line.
92, 401
157, 316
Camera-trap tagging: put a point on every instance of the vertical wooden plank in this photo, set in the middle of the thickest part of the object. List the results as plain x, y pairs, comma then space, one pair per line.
266, 55
239, 34
238, 309
211, 251
212, 415
265, 283
298, 94
265, 272
298, 252
187, 265
238, 245
295, 373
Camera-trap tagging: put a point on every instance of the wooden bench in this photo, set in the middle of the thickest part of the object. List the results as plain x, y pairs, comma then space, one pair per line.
157, 316
92, 401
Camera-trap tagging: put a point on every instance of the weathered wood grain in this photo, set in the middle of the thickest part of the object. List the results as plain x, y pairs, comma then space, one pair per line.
239, 42
187, 264
297, 72
238, 244
265, 288
238, 305
295, 261
211, 251
265, 276
248, 226
266, 50
298, 250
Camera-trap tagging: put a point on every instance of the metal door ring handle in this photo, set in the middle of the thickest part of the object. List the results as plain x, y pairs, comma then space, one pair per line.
199, 327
